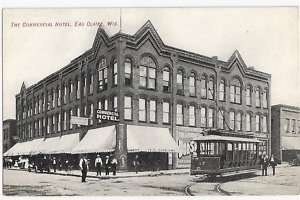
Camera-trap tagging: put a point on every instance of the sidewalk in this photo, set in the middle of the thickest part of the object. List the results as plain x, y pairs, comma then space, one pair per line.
122, 174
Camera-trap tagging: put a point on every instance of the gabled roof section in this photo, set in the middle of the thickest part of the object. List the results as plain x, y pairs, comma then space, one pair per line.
236, 57
23, 87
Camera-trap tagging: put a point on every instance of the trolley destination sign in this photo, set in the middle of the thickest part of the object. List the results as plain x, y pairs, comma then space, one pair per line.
107, 115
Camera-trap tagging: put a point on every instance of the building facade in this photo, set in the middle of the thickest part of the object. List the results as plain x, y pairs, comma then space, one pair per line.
285, 127
9, 133
150, 84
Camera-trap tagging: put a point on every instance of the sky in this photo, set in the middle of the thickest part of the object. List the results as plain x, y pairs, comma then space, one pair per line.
266, 37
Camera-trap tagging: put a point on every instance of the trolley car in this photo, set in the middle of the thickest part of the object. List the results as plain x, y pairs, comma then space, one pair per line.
215, 155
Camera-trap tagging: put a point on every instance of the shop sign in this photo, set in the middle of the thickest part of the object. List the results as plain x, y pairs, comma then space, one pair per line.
79, 120
107, 115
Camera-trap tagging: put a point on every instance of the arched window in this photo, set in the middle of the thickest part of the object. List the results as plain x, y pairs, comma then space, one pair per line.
166, 79
211, 89
257, 97
128, 72
222, 90
115, 72
203, 87
180, 85
102, 75
148, 73
192, 84
235, 91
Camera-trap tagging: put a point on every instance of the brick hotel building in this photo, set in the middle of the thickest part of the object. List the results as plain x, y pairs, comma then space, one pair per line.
164, 96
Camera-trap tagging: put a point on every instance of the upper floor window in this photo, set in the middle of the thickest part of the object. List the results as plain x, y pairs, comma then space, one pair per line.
102, 75
192, 116
91, 113
84, 84
231, 120
221, 119
142, 109
180, 85
78, 89
179, 114
115, 72
203, 117
264, 124
210, 115
293, 125
287, 125
53, 98
235, 91
203, 87
166, 80
152, 111
265, 99
65, 94
70, 90
257, 97
211, 88
58, 96
222, 90
248, 122
115, 103
238, 121
91, 81
148, 73
128, 72
166, 112
128, 108
248, 95
257, 123
192, 84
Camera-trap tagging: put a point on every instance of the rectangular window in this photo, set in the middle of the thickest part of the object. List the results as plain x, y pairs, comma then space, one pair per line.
222, 91
180, 86
179, 114
203, 117
211, 89
287, 125
248, 122
166, 112
152, 111
232, 93
127, 108
53, 98
65, 121
84, 85
91, 84
143, 76
293, 125
142, 110
248, 96
221, 119
91, 113
257, 98
102, 75
70, 91
59, 122
231, 120
152, 78
203, 88
115, 73
78, 89
128, 72
264, 100
257, 123
58, 96
298, 122
105, 104
264, 124
237, 95
192, 86
115, 103
65, 94
210, 117
166, 81
238, 121
70, 116
192, 116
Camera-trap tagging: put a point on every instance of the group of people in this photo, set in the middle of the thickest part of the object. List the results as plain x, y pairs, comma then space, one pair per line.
108, 164
266, 162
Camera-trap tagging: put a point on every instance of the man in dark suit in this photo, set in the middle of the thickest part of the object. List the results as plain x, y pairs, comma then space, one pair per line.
83, 164
106, 162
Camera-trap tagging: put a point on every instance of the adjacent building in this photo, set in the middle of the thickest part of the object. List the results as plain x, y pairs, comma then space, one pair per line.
9, 133
285, 132
151, 85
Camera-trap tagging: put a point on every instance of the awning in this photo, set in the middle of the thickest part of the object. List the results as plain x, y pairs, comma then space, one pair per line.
150, 139
48, 145
97, 140
290, 143
66, 143
224, 138
24, 148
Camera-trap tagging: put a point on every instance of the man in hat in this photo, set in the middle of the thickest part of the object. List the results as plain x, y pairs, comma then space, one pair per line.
107, 165
98, 164
54, 164
83, 164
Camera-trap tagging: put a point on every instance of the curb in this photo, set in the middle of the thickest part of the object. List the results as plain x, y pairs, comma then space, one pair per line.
109, 177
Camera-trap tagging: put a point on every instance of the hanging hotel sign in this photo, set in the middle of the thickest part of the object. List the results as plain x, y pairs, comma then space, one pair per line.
107, 115
79, 120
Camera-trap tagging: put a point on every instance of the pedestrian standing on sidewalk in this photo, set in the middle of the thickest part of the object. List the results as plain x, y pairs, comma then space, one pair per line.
114, 163
273, 163
107, 165
98, 164
83, 164
136, 164
54, 164
265, 165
